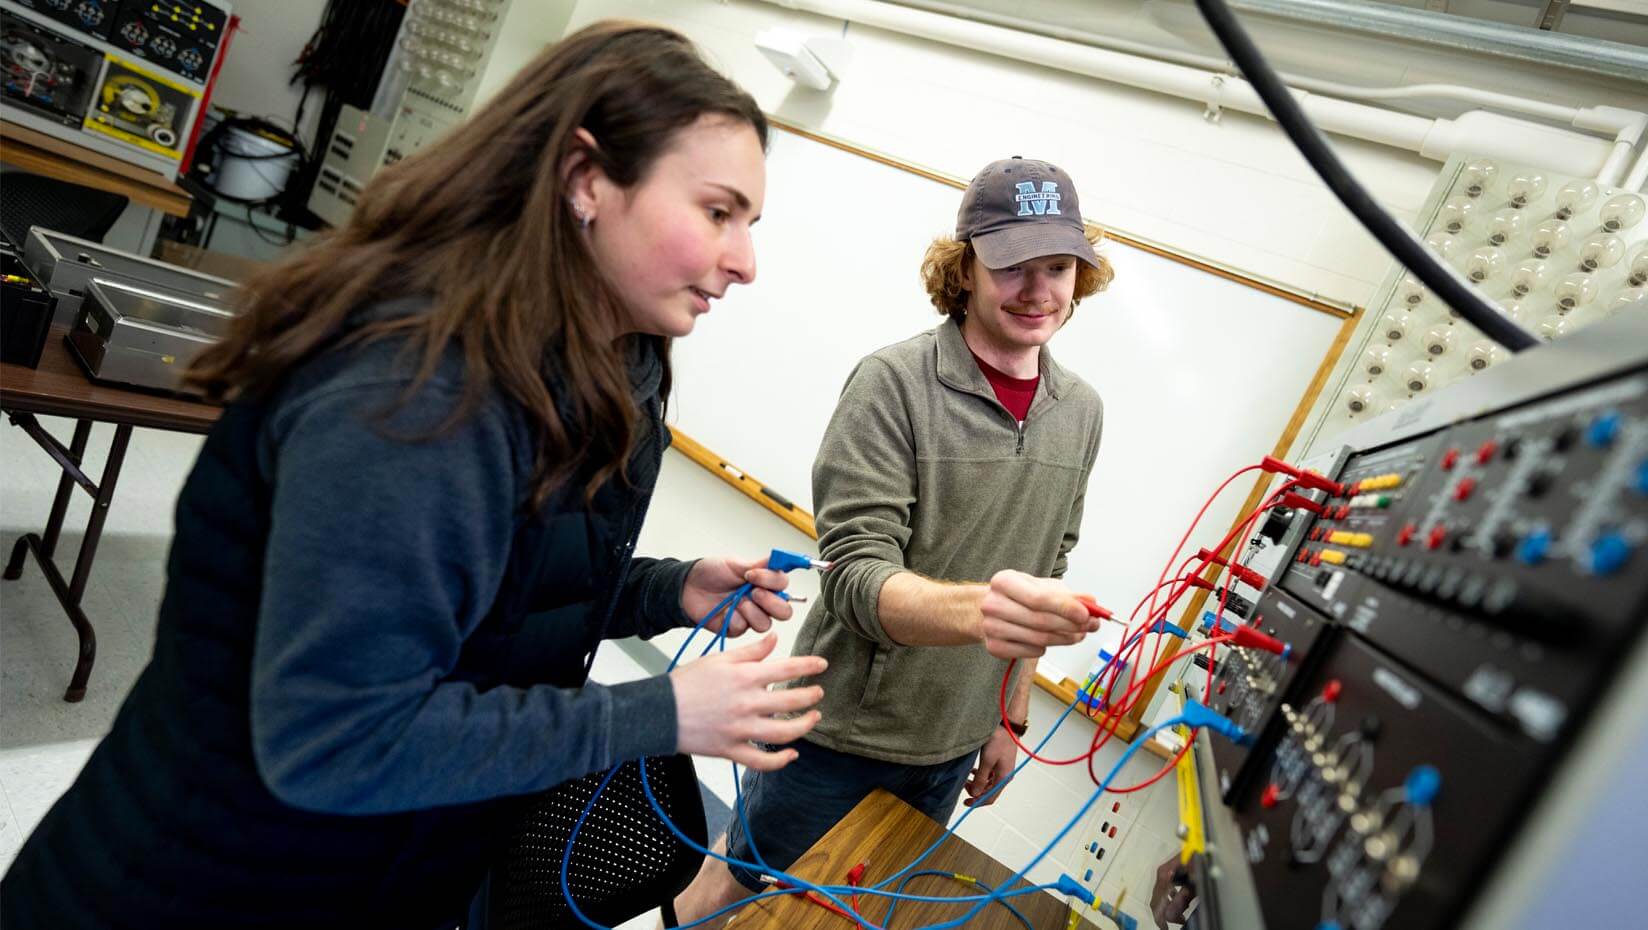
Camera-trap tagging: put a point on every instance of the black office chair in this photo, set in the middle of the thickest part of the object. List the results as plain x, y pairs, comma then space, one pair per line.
32, 200
625, 863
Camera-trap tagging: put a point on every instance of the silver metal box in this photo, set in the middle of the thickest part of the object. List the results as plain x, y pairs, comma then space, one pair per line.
139, 334
65, 264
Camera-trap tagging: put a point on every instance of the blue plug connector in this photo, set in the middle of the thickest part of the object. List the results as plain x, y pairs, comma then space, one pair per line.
1124, 921
1162, 626
1073, 888
783, 560
1197, 714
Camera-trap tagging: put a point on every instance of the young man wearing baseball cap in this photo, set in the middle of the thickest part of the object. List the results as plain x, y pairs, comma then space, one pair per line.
958, 455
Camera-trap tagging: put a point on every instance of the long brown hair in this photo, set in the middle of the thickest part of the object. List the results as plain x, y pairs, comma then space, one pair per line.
480, 222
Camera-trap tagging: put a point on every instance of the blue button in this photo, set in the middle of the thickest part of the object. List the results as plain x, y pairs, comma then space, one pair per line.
1088, 877
1534, 547
1422, 784
1609, 553
1603, 430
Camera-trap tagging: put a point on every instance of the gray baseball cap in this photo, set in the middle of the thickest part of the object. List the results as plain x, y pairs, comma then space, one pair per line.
1018, 209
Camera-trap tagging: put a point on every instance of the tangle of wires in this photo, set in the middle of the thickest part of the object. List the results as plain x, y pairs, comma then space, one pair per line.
348, 51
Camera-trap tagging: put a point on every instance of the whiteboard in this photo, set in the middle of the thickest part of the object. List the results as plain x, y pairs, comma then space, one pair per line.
1199, 374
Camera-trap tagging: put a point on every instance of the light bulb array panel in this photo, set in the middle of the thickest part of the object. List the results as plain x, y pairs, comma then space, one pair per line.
1553, 253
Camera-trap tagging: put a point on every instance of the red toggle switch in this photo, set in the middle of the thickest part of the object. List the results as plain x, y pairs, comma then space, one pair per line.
1450, 458
1437, 536
1406, 533
1486, 451
1268, 799
1093, 608
1462, 490
1354, 489
1343, 513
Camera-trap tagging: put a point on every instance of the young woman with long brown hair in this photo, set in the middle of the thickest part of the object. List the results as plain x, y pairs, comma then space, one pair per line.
414, 523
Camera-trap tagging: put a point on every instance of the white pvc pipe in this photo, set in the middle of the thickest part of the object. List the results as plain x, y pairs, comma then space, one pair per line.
1487, 134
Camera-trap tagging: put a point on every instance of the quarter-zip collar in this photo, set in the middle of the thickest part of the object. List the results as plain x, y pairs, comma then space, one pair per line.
957, 370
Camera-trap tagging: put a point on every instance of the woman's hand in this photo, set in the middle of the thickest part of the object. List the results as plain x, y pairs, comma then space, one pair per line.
711, 580
723, 706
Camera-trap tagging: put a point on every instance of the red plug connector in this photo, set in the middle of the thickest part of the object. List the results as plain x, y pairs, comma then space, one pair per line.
1093, 608
1252, 638
1297, 502
1243, 574
1304, 476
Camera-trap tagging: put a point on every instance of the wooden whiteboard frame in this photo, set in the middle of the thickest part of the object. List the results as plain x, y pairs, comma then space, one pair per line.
1064, 690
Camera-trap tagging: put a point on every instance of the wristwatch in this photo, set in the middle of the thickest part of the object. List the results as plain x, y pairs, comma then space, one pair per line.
1019, 729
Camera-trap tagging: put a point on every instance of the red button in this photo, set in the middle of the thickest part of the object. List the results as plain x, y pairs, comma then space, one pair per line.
1486, 452
1405, 535
1450, 458
1343, 512
1462, 490
1303, 556
1316, 558
1354, 489
1330, 691
1268, 799
1438, 535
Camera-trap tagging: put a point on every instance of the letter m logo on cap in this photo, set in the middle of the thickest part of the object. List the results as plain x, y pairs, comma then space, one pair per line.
1037, 203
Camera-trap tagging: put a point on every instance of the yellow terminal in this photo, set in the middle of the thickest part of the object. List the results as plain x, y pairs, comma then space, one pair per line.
1333, 557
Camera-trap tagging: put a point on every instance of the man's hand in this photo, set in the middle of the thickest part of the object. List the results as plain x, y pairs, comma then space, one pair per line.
1024, 615
711, 580
1168, 899
995, 765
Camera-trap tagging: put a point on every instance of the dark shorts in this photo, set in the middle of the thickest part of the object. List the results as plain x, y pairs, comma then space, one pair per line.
788, 810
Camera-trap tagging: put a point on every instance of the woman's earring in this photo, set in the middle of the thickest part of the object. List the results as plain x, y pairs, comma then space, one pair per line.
583, 218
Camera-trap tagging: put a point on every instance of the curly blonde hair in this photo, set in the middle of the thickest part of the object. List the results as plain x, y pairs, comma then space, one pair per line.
944, 266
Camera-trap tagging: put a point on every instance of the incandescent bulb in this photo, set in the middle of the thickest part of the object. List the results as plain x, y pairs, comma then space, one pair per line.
1511, 307
1528, 276
1575, 290
1550, 236
1395, 325
1361, 399
1478, 176
1576, 197
1601, 251
1484, 264
1441, 243
1376, 360
1525, 189
1634, 299
1639, 265
1622, 211
1418, 376
1438, 340
1553, 326
1410, 291
1456, 212
1506, 224
1482, 354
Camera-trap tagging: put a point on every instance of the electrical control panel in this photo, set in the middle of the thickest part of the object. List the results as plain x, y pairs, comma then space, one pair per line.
180, 36
1456, 613
127, 78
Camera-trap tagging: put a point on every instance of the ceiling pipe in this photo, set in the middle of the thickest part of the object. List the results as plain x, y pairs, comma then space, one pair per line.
1476, 132
1536, 46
